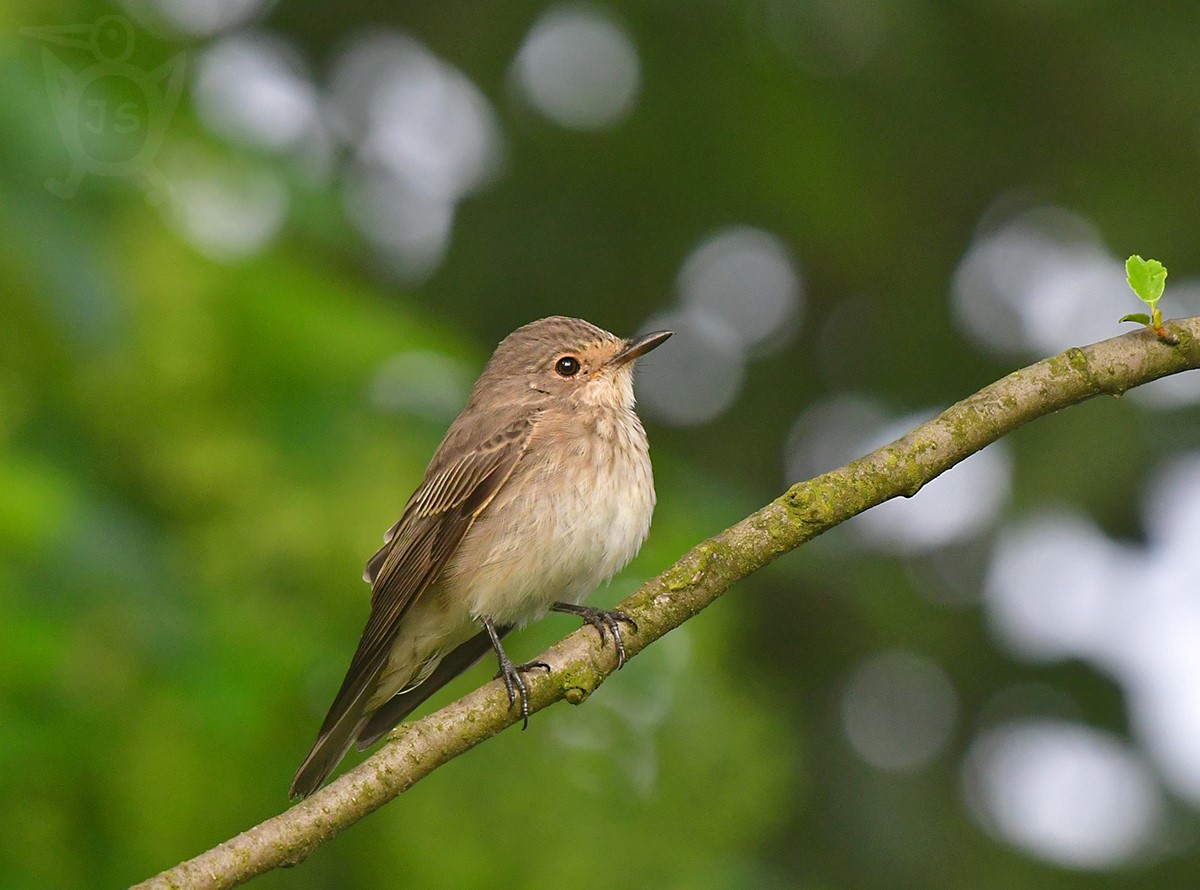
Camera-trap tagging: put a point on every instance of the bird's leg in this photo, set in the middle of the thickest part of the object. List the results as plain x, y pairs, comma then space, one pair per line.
511, 673
601, 619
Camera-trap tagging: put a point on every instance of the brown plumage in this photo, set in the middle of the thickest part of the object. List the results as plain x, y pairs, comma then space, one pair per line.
540, 491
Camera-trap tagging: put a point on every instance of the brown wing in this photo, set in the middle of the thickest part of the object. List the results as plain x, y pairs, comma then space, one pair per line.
418, 548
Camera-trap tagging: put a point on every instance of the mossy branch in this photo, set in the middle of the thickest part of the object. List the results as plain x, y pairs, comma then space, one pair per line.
579, 664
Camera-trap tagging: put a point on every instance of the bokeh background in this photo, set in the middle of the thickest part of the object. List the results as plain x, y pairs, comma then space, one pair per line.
252, 255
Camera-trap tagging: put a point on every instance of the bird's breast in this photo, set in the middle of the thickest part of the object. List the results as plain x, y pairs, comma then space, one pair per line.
573, 514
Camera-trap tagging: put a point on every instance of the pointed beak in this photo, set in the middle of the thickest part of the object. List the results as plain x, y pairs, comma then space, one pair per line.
62, 35
640, 346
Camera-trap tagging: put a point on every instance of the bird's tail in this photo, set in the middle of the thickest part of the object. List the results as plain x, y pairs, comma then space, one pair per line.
402, 704
327, 752
352, 724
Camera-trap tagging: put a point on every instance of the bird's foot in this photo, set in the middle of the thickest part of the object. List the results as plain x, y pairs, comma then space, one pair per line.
604, 620
511, 673
514, 683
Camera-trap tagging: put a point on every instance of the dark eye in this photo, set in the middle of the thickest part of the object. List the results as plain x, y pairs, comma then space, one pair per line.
567, 366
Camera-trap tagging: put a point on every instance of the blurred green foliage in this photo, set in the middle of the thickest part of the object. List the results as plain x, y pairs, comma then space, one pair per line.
192, 469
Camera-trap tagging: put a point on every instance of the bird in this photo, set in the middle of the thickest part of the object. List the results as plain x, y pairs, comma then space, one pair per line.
540, 492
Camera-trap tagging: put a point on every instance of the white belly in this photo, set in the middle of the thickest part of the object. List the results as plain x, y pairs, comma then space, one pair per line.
559, 528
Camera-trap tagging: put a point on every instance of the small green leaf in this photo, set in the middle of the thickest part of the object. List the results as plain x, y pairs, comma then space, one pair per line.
1148, 278
1139, 317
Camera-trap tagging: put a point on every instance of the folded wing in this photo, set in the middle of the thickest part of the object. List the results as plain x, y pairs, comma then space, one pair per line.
417, 549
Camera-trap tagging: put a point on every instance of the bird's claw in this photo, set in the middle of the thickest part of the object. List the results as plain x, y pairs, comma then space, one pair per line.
513, 682
605, 621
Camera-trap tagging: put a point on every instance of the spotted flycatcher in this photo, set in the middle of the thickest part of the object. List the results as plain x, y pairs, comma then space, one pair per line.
541, 491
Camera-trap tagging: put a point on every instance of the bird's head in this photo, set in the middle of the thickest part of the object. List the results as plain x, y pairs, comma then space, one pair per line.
562, 358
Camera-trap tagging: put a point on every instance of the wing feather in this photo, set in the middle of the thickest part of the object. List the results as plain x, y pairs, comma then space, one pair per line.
436, 519
418, 547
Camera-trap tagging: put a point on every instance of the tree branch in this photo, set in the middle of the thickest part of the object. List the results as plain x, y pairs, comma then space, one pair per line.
579, 663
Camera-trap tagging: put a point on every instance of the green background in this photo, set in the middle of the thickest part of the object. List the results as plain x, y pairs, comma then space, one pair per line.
192, 468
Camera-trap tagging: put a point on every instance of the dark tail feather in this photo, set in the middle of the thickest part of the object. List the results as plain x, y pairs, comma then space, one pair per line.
331, 746
401, 705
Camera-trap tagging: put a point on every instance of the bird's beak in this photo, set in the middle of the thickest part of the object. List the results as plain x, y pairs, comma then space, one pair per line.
640, 346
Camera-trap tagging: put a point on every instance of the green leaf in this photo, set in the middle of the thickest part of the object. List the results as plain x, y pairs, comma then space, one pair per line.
1148, 278
1139, 317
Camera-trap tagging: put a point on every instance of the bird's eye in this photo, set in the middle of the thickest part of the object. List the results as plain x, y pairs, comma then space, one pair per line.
567, 366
